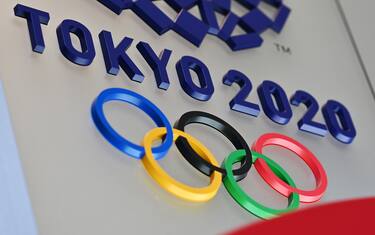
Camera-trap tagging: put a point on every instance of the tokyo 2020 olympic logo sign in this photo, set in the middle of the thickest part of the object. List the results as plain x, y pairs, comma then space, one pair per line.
253, 23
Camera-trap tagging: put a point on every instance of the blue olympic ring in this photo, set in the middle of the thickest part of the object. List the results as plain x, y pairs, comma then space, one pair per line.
125, 146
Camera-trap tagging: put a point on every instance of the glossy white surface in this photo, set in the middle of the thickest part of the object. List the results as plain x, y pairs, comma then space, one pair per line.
16, 216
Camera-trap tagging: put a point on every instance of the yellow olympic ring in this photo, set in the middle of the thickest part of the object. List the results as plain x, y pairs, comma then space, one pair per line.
168, 183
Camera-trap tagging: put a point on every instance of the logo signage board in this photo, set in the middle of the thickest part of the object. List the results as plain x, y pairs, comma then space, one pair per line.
299, 84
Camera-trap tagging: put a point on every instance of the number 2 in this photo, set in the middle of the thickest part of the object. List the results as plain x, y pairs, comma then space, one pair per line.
306, 123
239, 103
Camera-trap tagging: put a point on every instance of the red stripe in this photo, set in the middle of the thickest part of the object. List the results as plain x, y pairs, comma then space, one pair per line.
347, 217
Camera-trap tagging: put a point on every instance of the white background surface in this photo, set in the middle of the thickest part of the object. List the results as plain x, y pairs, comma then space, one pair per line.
79, 184
359, 16
16, 215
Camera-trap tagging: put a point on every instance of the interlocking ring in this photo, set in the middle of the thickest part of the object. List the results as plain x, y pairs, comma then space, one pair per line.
115, 138
203, 160
305, 154
224, 128
170, 184
245, 200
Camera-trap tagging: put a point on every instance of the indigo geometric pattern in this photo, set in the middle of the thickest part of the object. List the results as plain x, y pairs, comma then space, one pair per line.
194, 30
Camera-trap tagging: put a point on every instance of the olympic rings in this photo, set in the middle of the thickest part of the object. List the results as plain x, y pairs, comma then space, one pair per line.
246, 201
203, 160
302, 152
116, 139
223, 127
165, 181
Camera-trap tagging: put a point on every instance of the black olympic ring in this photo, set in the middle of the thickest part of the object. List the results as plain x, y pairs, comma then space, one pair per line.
224, 128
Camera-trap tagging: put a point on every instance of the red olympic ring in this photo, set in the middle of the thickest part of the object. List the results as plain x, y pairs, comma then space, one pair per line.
300, 150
